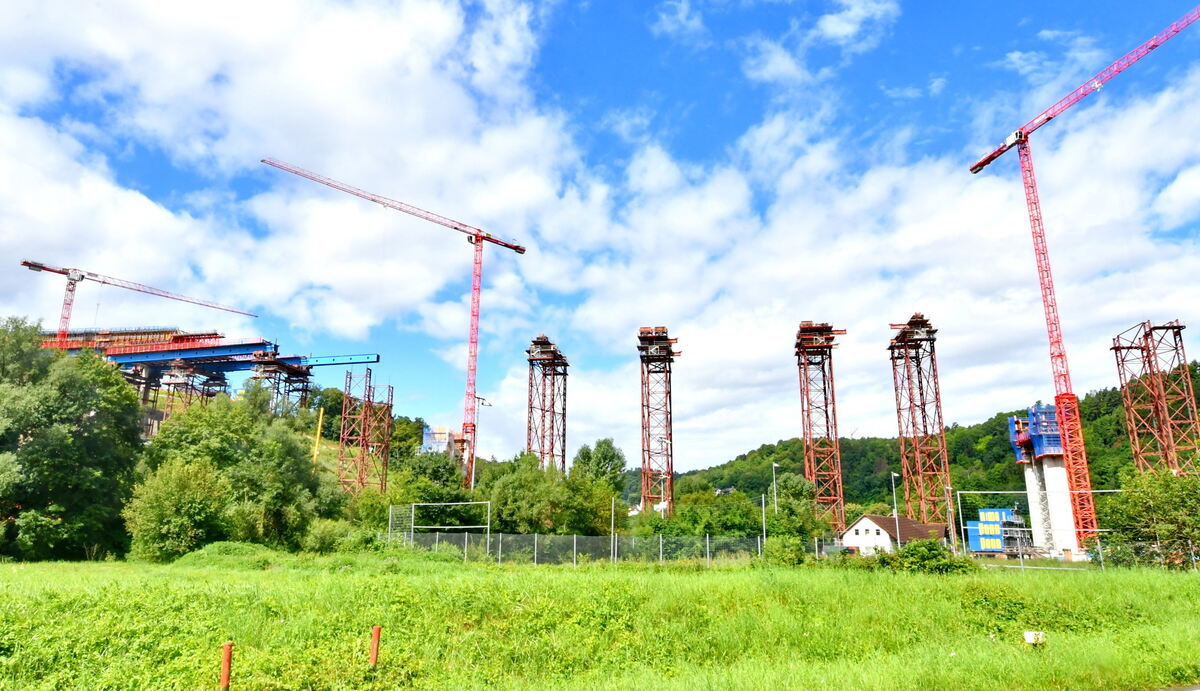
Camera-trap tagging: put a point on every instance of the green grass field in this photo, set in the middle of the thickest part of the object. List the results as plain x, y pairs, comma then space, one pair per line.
304, 622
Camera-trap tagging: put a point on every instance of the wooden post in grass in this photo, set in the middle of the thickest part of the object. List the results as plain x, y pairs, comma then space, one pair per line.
374, 657
226, 664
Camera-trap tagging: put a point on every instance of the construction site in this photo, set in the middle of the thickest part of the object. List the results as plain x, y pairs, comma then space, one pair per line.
173, 369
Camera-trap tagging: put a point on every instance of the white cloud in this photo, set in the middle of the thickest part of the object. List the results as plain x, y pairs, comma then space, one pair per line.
418, 101
677, 19
858, 25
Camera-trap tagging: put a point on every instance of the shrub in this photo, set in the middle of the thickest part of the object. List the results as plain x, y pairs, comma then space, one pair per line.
176, 510
927, 556
325, 535
784, 551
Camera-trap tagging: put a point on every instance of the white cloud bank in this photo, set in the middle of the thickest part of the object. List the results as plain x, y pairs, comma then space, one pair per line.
420, 97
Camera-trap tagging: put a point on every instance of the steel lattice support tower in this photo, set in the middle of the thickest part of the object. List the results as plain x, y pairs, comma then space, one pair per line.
366, 435
546, 431
1159, 400
657, 353
924, 464
818, 410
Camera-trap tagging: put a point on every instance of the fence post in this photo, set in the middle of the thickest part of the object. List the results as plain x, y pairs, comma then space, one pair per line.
1100, 551
374, 656
437, 537
707, 551
391, 510
758, 539
535, 535
465, 547
226, 664
500, 549
660, 550
574, 550
1192, 550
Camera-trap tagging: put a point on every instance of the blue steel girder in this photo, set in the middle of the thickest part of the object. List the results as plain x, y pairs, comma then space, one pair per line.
246, 363
191, 355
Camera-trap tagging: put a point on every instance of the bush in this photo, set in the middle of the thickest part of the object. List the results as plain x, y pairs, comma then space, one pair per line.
325, 535
784, 551
177, 510
926, 556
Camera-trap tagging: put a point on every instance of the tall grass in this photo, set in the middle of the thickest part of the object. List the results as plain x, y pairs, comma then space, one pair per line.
303, 623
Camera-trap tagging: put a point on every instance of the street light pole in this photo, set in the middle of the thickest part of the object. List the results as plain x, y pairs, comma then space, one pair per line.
895, 511
482, 402
775, 487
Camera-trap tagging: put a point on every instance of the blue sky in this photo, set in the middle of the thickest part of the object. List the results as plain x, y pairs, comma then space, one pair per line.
724, 167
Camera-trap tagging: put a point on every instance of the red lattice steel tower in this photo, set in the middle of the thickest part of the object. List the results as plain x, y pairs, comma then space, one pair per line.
1065, 402
476, 237
366, 435
818, 411
546, 431
925, 467
657, 353
1159, 400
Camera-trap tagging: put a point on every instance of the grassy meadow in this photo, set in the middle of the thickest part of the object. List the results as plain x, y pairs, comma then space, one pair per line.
301, 622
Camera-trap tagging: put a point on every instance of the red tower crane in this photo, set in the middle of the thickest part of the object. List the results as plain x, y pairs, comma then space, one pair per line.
75, 276
476, 237
1066, 404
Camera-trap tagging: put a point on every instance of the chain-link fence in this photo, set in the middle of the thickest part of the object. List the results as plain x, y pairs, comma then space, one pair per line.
509, 548
1103, 553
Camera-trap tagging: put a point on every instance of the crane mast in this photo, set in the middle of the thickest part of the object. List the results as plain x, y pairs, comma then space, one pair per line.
1066, 403
476, 237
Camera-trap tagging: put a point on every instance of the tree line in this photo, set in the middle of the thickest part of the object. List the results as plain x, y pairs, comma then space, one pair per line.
77, 480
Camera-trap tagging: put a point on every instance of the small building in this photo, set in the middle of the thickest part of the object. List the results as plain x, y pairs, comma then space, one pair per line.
872, 533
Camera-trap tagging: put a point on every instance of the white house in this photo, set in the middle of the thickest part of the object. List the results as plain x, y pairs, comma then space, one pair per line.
873, 533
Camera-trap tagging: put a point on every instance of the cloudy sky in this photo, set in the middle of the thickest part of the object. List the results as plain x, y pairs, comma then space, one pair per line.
726, 168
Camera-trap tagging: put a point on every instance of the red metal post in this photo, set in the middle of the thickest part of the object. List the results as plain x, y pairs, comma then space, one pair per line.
655, 347
226, 665
818, 410
1066, 404
546, 428
374, 655
925, 467
1158, 397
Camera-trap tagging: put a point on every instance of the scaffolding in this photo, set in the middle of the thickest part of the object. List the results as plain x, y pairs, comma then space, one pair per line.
818, 410
655, 347
366, 434
1158, 397
546, 428
924, 464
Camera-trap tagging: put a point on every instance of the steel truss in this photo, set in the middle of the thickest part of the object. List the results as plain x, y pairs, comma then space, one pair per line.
366, 435
924, 463
655, 348
818, 410
1158, 396
546, 428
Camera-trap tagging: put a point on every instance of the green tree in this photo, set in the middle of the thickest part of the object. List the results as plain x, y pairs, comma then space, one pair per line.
23, 360
604, 462
265, 460
179, 508
69, 444
1155, 510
